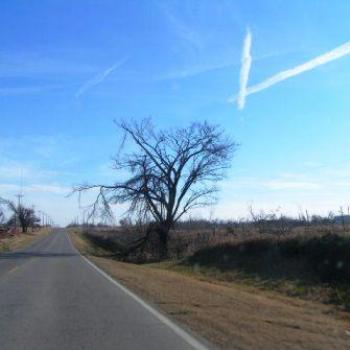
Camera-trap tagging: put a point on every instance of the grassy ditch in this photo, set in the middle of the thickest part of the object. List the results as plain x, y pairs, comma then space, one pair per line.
231, 314
315, 268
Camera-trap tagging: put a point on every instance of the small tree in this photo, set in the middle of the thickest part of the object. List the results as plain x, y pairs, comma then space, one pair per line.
24, 216
170, 173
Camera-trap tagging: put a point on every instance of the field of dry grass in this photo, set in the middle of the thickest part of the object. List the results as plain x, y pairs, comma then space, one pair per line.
229, 314
22, 240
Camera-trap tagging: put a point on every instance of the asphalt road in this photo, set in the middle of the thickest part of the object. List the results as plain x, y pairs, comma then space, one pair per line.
51, 298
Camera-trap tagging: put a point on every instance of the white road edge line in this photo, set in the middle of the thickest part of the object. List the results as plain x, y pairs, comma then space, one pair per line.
173, 326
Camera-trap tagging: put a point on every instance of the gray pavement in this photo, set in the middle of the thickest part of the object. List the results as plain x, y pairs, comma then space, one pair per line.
51, 298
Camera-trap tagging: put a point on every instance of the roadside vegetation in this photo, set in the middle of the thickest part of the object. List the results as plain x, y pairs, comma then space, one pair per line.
13, 242
312, 267
20, 225
310, 261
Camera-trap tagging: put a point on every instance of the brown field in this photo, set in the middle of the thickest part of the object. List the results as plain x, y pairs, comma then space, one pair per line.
229, 314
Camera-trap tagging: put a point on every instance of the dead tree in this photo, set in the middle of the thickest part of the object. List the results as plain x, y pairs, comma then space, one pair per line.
22, 215
170, 173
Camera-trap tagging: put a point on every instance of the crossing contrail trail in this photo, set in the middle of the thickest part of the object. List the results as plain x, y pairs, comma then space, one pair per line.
244, 91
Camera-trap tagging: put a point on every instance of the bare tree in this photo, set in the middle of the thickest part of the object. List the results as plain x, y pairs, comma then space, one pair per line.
24, 216
171, 172
259, 219
2, 216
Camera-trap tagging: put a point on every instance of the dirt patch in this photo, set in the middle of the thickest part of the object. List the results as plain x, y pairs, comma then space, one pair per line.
231, 315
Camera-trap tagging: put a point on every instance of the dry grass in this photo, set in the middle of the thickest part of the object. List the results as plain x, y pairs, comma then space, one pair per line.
314, 267
231, 315
21, 240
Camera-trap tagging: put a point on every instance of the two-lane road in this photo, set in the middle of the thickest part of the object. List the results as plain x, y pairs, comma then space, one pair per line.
51, 298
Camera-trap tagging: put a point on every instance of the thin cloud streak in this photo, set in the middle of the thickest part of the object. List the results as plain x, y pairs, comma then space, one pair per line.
245, 70
186, 32
193, 71
98, 79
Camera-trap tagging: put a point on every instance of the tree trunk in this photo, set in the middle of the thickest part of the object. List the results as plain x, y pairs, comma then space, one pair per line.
24, 227
163, 234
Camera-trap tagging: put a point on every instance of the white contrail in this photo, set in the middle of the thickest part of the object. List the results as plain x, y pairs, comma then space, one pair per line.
332, 55
245, 70
99, 78
329, 56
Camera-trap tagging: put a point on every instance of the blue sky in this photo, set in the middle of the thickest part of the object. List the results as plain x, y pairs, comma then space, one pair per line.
68, 68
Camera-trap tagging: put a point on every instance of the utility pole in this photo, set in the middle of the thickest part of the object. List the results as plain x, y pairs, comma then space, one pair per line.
19, 199
41, 218
19, 202
44, 219
19, 205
